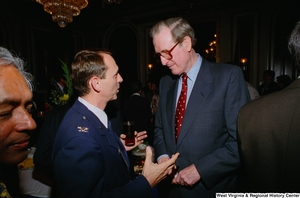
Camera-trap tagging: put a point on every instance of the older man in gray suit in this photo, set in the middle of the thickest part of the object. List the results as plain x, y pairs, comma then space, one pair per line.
269, 135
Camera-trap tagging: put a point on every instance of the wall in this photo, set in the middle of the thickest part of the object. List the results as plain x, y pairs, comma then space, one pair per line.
257, 30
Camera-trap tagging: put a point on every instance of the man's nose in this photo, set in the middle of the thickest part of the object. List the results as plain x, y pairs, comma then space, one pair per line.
31, 123
120, 78
163, 60
26, 122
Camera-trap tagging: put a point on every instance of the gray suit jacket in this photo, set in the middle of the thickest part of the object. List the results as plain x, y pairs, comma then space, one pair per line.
269, 136
208, 134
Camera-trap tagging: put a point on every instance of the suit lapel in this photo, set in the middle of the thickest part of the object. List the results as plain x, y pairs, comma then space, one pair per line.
171, 105
201, 90
121, 149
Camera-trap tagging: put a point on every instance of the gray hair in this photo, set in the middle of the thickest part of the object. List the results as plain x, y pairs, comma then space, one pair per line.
179, 27
294, 45
8, 58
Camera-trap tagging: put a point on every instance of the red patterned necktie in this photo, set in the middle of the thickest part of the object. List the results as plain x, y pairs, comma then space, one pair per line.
180, 109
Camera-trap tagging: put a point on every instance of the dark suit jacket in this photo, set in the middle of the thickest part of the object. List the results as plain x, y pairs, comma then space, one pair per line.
42, 155
208, 134
137, 108
269, 136
89, 160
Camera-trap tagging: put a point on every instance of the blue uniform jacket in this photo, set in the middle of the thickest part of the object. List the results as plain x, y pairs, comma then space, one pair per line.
89, 160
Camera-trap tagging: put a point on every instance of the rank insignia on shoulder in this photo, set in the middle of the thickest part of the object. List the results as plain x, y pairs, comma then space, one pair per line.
82, 129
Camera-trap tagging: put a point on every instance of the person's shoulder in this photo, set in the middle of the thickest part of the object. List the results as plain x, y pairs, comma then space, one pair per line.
73, 125
145, 100
70, 120
75, 115
295, 84
265, 101
230, 66
131, 99
221, 67
224, 71
292, 91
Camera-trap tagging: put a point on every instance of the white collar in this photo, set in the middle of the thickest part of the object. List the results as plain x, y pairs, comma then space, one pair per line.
101, 115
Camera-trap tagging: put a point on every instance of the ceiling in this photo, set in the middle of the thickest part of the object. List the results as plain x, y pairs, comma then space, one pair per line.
96, 11
99, 14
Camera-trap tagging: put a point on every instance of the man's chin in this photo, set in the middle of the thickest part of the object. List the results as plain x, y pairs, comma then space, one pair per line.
175, 72
114, 98
16, 159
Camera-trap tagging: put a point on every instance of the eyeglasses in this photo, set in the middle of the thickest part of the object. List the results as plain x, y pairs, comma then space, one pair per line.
165, 53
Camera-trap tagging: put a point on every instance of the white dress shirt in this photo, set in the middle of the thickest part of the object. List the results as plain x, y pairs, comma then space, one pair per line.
98, 112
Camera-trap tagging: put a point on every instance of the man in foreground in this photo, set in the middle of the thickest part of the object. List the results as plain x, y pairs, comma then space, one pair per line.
269, 135
15, 114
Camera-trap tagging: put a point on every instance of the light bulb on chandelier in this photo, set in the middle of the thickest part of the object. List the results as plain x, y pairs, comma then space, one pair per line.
112, 1
62, 11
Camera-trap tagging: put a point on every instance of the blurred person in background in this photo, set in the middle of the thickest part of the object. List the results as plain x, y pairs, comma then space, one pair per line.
269, 85
283, 81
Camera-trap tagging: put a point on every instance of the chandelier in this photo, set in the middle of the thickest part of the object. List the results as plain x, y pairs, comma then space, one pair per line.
111, 1
62, 11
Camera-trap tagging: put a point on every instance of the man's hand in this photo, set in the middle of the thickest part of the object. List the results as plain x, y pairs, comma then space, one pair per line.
164, 159
139, 139
153, 172
187, 177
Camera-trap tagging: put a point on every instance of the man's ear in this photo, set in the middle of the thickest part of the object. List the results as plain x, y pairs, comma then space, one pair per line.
187, 43
95, 84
